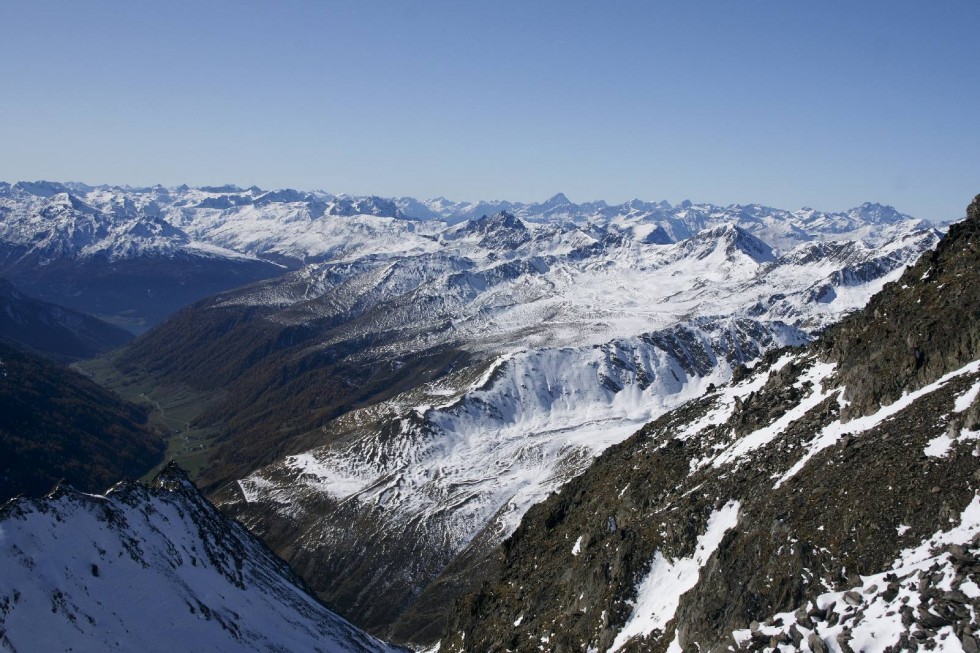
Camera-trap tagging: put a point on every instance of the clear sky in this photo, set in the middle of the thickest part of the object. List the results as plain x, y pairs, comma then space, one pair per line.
786, 103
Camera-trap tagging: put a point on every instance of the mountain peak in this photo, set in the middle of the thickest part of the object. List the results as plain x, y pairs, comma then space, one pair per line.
558, 199
41, 188
501, 220
207, 576
736, 239
875, 213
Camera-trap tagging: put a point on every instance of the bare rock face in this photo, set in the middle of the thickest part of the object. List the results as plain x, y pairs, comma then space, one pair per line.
853, 472
923, 326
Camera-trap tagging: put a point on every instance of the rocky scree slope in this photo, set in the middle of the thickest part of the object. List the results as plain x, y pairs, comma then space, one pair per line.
826, 499
152, 568
57, 424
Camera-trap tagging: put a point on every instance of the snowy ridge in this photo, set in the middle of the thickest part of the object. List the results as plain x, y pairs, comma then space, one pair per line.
548, 275
151, 569
559, 286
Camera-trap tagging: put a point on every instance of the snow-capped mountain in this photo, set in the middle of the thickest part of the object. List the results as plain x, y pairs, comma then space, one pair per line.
136, 255
828, 499
152, 568
50, 219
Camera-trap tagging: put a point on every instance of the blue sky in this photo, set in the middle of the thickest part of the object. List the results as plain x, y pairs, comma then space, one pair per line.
823, 104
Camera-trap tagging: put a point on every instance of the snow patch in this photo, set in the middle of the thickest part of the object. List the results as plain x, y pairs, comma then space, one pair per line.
761, 437
966, 399
660, 592
880, 625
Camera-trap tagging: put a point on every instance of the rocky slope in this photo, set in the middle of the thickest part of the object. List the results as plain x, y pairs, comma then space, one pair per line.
54, 331
57, 424
826, 499
151, 568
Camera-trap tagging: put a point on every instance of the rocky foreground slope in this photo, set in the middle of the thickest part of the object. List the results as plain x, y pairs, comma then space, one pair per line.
826, 499
152, 568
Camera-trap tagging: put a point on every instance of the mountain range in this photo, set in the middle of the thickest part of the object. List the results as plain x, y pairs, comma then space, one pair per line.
824, 500
135, 255
394, 386
418, 384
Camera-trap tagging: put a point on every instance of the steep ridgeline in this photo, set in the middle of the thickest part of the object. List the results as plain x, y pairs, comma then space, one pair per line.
54, 331
152, 568
826, 499
57, 424
136, 255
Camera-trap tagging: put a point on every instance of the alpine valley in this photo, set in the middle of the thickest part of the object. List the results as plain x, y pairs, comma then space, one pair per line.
512, 426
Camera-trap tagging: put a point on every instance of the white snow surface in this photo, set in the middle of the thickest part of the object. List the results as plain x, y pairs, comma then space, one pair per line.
588, 273
660, 591
151, 571
964, 401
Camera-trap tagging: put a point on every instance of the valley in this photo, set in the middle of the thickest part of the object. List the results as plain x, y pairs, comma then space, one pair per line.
172, 408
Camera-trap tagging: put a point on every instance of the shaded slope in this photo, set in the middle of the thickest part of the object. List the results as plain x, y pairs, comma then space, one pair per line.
135, 293
56, 424
52, 330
